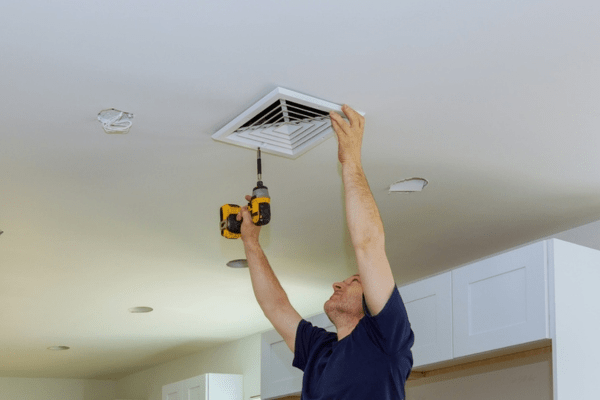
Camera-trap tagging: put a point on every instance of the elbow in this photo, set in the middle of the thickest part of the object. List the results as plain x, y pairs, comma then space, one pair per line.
274, 306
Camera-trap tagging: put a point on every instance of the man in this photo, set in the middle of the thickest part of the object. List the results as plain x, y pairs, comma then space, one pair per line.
370, 356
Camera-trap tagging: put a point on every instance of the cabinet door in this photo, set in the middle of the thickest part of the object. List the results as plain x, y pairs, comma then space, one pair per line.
500, 301
429, 307
277, 376
172, 391
225, 387
189, 389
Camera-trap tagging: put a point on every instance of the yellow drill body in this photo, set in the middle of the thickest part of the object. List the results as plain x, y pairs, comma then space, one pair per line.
259, 207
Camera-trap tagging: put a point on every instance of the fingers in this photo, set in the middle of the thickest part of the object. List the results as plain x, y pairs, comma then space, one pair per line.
244, 212
336, 126
249, 231
244, 208
355, 118
337, 120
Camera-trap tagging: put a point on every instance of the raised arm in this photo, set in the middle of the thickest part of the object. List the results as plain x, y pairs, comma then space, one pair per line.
268, 291
362, 215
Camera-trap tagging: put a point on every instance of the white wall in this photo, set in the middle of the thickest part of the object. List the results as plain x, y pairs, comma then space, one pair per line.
56, 389
239, 357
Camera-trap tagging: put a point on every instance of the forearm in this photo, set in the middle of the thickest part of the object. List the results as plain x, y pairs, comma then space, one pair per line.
266, 286
362, 214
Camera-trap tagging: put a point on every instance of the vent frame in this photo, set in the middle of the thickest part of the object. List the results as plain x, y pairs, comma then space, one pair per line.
289, 138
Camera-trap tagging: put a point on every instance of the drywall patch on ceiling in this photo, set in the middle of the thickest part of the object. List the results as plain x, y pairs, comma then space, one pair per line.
284, 123
115, 121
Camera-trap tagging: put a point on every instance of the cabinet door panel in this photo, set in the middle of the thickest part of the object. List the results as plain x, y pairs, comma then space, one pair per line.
500, 301
194, 388
278, 376
189, 389
195, 393
171, 395
429, 307
225, 387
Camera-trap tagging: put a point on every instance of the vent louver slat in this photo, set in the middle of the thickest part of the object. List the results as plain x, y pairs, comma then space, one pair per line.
285, 123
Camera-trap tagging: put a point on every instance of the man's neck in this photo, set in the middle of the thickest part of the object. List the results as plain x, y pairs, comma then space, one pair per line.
345, 328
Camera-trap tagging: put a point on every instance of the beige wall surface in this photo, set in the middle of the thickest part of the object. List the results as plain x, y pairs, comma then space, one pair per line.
522, 379
56, 389
239, 357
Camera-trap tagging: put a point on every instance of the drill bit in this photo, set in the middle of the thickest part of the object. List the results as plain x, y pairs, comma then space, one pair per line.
259, 168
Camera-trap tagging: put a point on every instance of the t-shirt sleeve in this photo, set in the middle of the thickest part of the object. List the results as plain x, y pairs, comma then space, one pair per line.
307, 336
390, 329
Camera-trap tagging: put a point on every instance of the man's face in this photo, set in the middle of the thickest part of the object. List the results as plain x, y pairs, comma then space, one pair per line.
346, 297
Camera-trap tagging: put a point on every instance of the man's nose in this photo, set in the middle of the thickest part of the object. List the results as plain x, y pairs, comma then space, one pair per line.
337, 285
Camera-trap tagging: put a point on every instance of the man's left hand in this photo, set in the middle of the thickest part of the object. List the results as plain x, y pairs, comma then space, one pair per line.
349, 134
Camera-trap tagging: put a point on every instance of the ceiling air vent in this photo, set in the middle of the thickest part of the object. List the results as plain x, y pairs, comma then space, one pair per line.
283, 122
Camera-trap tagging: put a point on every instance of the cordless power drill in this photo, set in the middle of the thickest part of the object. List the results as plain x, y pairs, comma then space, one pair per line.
259, 207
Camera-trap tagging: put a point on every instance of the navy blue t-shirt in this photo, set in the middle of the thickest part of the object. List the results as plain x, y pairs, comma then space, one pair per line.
373, 362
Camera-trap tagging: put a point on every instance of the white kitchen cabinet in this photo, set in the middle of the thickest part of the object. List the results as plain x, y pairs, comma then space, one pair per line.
574, 273
278, 376
206, 387
501, 301
429, 307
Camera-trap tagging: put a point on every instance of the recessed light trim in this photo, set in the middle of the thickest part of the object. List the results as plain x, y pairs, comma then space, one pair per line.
242, 263
140, 310
58, 348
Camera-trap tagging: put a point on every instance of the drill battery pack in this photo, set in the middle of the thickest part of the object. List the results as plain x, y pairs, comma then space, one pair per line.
231, 228
259, 207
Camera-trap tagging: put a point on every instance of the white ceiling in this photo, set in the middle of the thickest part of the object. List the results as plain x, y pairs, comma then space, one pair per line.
497, 104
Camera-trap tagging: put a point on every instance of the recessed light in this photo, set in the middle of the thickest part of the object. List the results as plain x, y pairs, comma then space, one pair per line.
408, 185
136, 310
58, 348
238, 263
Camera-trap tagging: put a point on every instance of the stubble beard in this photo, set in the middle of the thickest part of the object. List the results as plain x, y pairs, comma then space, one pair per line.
337, 309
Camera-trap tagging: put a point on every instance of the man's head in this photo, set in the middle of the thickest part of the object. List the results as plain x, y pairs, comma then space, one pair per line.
346, 301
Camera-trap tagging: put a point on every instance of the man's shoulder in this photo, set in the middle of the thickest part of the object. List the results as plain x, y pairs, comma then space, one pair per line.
307, 329
392, 307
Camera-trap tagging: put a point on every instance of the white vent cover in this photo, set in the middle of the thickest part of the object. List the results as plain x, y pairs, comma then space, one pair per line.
283, 122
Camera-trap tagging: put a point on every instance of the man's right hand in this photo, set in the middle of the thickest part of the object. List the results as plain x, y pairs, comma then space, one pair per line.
250, 232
